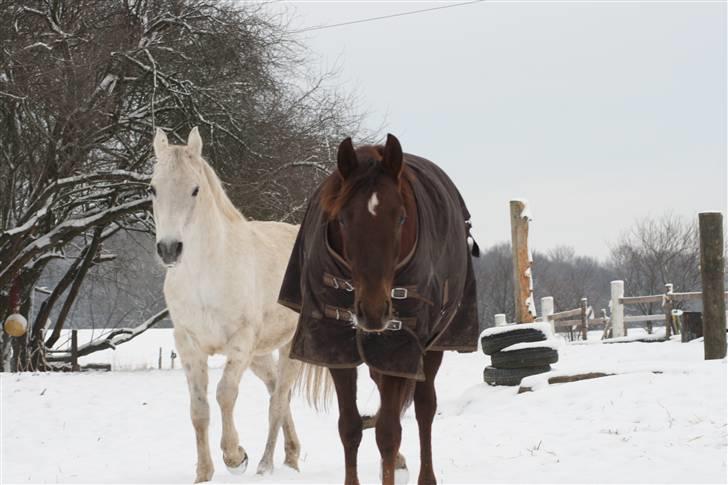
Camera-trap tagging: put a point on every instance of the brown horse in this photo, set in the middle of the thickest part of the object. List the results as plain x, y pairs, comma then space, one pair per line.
381, 274
377, 226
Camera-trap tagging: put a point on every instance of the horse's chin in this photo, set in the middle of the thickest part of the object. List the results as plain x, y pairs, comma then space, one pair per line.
169, 266
371, 330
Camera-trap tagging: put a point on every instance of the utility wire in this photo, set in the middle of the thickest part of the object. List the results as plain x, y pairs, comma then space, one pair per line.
372, 19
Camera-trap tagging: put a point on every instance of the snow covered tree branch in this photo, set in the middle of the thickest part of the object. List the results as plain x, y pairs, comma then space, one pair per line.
83, 84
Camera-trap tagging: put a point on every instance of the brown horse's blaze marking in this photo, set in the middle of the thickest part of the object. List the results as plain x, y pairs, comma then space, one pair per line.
372, 204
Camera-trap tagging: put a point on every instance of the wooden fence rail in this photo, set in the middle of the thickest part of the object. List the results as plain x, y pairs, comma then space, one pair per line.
565, 319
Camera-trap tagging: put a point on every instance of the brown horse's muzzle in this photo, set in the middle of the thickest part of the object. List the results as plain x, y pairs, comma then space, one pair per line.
373, 314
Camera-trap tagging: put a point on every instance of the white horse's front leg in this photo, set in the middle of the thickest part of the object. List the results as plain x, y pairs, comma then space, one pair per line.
195, 365
233, 454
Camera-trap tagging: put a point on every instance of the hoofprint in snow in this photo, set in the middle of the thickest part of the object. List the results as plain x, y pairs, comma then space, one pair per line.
133, 427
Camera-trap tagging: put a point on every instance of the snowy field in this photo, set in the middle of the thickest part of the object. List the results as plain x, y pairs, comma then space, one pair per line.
132, 425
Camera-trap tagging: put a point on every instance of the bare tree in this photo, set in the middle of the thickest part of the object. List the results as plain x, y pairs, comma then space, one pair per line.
494, 279
654, 252
568, 278
82, 85
559, 273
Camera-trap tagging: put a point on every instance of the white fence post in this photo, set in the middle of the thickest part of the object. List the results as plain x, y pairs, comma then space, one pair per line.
500, 319
547, 309
618, 327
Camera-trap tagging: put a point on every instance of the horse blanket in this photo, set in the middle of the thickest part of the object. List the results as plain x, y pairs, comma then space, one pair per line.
434, 294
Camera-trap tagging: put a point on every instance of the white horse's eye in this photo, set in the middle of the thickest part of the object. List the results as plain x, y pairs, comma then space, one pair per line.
195, 191
152, 190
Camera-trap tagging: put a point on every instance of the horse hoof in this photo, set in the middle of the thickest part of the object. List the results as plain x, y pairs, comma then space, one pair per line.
203, 478
292, 464
240, 468
401, 475
265, 468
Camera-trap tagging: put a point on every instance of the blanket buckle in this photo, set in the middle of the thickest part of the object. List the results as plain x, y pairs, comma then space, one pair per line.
394, 325
399, 293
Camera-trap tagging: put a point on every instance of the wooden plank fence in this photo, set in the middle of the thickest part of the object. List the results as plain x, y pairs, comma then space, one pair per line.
566, 320
713, 296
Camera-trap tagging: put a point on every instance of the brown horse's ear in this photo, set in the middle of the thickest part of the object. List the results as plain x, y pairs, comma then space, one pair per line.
392, 160
346, 158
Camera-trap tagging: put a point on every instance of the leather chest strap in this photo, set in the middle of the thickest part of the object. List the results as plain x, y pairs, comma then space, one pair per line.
345, 315
398, 293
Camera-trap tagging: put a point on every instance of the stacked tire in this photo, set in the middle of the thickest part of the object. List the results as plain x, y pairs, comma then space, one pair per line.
517, 351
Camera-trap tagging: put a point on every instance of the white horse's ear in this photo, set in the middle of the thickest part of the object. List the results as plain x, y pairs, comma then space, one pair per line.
194, 142
160, 142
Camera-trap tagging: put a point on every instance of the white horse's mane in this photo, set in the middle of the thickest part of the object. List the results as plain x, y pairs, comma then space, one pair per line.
218, 193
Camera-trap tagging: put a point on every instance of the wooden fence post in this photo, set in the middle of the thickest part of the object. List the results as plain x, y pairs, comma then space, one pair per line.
607, 324
712, 271
547, 309
500, 319
618, 327
172, 356
160, 358
676, 320
522, 279
584, 318
667, 308
74, 351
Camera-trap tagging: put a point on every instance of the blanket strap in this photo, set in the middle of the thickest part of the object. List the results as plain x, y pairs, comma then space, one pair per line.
346, 315
398, 293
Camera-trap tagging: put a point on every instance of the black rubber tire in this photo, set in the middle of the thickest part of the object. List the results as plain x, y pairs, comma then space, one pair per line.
511, 377
533, 357
500, 341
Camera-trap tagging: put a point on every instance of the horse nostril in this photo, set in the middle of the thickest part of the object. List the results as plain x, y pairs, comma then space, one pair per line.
159, 249
178, 249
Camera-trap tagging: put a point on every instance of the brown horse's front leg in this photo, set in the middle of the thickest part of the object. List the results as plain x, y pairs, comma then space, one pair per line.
425, 407
350, 423
388, 427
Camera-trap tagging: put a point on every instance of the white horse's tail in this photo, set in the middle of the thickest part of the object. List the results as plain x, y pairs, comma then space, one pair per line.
316, 385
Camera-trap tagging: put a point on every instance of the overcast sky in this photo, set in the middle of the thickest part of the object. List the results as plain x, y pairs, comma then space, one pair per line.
597, 113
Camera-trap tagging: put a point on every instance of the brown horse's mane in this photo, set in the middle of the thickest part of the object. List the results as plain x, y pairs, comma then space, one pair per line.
336, 192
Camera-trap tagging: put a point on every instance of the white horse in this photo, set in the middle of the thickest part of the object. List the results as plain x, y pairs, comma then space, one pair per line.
221, 289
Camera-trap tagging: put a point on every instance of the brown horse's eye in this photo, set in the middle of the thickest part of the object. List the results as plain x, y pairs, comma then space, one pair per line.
402, 219
341, 221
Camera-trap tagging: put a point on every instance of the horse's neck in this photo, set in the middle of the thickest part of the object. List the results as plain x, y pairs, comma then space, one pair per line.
409, 230
213, 235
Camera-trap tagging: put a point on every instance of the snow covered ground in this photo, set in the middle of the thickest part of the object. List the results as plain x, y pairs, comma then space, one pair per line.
132, 426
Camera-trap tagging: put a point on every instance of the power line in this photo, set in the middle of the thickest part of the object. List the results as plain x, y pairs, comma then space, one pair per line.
372, 19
